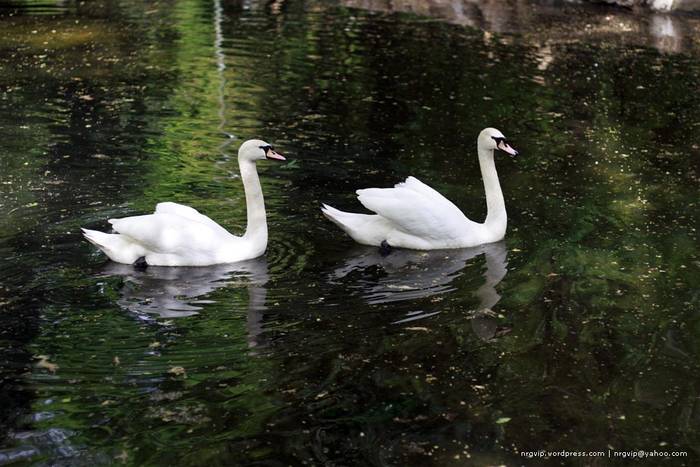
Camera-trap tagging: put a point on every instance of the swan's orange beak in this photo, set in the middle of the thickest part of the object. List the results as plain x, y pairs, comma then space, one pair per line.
503, 146
271, 154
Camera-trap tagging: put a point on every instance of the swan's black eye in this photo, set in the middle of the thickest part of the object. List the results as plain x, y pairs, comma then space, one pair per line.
266, 148
498, 140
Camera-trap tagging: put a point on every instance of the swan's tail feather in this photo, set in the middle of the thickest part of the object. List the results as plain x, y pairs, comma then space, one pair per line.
342, 219
368, 229
332, 213
118, 247
95, 237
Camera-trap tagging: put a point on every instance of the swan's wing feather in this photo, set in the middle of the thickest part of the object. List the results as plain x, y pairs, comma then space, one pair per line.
416, 209
188, 213
405, 210
412, 183
447, 206
169, 233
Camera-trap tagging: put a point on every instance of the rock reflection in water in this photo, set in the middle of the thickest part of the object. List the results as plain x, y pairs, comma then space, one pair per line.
667, 33
410, 275
496, 16
177, 292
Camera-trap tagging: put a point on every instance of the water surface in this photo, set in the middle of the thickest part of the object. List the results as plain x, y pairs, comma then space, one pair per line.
580, 331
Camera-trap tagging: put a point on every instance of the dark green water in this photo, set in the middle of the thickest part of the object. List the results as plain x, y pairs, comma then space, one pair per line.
581, 331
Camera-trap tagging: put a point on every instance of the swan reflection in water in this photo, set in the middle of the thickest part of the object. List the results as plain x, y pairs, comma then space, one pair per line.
409, 275
176, 292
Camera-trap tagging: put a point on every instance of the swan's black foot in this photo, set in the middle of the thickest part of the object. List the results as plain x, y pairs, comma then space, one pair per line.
140, 264
384, 248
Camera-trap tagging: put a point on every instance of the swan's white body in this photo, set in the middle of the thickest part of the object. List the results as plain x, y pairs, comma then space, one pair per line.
413, 215
177, 235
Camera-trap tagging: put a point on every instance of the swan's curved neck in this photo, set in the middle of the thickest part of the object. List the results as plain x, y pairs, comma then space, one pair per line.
496, 218
256, 230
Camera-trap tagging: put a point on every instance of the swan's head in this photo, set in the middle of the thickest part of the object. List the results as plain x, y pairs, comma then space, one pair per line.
492, 139
257, 149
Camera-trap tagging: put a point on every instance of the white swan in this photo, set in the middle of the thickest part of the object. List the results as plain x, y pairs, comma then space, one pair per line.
413, 215
177, 235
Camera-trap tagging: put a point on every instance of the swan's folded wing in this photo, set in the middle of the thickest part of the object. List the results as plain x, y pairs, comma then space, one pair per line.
188, 213
412, 183
168, 233
416, 209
